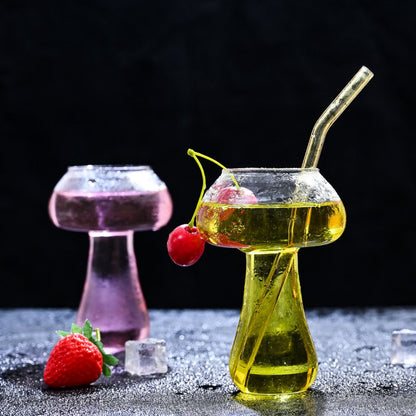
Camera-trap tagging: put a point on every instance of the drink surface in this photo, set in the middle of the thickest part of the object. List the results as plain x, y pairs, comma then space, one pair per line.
110, 211
271, 226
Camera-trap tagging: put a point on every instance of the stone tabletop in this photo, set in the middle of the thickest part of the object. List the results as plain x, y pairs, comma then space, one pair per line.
355, 376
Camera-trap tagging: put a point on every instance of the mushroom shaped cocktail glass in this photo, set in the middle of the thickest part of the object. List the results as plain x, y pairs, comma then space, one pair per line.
111, 203
269, 214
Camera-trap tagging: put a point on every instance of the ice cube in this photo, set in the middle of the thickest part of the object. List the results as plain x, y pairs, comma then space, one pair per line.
403, 347
146, 357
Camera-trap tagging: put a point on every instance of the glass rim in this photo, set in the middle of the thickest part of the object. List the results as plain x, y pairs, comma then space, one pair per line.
263, 170
108, 167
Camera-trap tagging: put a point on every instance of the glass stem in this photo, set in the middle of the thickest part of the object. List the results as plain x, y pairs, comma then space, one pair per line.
112, 299
272, 340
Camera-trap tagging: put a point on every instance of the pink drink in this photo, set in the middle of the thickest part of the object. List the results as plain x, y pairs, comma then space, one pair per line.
110, 204
110, 211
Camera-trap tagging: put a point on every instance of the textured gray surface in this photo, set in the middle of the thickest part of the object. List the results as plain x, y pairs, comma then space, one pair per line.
354, 377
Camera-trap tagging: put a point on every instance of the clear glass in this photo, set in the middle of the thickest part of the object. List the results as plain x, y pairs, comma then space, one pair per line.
270, 216
111, 203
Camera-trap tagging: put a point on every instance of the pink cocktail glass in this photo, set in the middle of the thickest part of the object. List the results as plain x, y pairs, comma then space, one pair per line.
111, 203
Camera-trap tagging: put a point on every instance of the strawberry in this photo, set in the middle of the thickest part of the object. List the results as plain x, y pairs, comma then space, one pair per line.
78, 358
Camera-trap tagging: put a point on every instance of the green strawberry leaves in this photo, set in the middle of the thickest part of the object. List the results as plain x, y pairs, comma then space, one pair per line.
87, 330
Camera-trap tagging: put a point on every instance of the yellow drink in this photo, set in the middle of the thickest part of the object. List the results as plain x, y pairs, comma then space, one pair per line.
273, 351
271, 226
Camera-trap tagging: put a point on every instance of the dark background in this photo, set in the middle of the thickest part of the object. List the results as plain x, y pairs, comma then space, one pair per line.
137, 82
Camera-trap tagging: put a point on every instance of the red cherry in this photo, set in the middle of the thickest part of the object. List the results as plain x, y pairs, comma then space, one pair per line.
234, 196
228, 196
185, 245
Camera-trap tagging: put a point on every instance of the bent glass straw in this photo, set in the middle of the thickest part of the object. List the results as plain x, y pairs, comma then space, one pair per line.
330, 115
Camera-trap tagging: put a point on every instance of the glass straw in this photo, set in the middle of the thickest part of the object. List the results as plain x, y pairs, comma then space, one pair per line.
284, 260
333, 111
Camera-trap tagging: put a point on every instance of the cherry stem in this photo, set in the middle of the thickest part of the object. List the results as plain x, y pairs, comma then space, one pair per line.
195, 155
204, 185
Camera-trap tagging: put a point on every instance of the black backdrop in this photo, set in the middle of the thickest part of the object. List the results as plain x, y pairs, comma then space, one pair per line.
121, 81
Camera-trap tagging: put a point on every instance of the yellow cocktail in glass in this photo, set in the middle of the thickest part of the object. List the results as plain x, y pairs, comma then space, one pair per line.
269, 215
